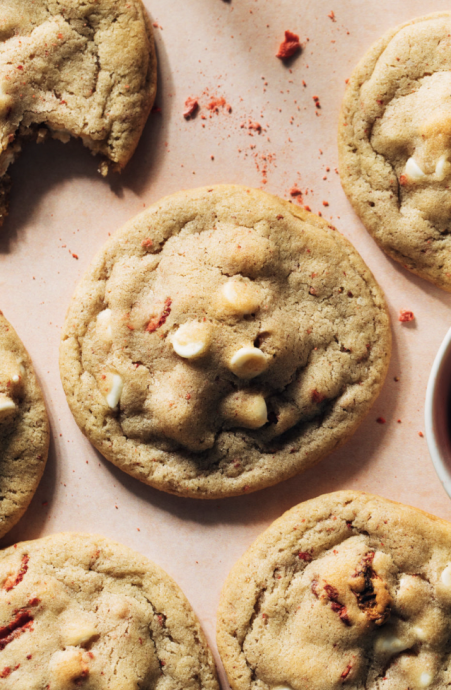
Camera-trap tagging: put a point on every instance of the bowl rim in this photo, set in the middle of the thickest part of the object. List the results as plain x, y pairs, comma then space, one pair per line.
441, 467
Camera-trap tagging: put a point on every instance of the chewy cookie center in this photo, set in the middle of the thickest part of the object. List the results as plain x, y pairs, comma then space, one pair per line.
222, 330
198, 340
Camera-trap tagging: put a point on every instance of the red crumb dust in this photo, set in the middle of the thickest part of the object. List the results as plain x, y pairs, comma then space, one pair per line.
381, 420
255, 126
304, 556
405, 316
216, 103
191, 107
289, 46
147, 243
420, 433
332, 16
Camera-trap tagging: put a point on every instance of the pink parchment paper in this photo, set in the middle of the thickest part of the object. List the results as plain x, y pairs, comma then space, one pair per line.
60, 206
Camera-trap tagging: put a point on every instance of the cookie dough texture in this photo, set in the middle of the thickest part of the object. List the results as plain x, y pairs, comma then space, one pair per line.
347, 590
81, 69
79, 610
24, 429
222, 341
395, 145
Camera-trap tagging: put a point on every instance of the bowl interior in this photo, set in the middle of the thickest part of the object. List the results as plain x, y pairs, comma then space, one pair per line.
438, 413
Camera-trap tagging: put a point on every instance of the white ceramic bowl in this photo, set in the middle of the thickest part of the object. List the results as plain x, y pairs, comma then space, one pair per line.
438, 413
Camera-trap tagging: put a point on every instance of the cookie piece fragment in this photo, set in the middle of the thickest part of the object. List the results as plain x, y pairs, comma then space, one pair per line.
395, 145
78, 610
24, 428
74, 69
222, 341
346, 590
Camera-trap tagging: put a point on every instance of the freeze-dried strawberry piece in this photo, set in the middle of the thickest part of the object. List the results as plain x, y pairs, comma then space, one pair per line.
191, 107
405, 315
10, 582
160, 320
289, 47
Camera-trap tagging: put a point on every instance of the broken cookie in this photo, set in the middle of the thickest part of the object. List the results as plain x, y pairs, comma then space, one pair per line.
78, 69
222, 341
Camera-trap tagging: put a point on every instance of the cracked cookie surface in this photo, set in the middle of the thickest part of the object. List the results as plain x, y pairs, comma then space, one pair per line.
222, 341
347, 590
81, 69
395, 145
24, 429
80, 610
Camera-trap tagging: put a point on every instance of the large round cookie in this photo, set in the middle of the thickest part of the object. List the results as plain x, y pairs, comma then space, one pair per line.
395, 145
82, 69
79, 610
222, 341
344, 591
24, 429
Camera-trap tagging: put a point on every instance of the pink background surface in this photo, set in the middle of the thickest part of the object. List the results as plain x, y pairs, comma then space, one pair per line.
60, 205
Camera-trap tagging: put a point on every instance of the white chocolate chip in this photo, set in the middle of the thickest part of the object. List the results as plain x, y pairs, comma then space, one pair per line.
389, 643
440, 168
248, 362
420, 633
413, 170
425, 679
115, 385
104, 325
16, 378
242, 297
65, 666
7, 406
446, 576
76, 634
191, 340
245, 409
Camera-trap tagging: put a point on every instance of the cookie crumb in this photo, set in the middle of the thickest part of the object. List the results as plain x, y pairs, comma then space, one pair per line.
290, 46
191, 107
405, 315
381, 420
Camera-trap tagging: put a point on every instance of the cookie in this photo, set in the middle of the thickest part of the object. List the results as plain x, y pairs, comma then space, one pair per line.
24, 428
74, 69
347, 590
223, 340
395, 145
82, 610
